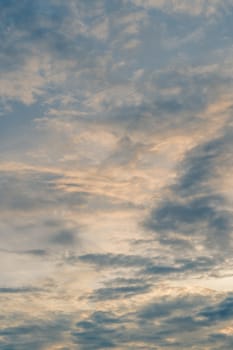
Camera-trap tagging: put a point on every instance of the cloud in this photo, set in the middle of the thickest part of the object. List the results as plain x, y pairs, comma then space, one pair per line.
64, 238
195, 207
220, 312
115, 180
168, 322
198, 8
121, 288
18, 290
111, 260
38, 334
99, 331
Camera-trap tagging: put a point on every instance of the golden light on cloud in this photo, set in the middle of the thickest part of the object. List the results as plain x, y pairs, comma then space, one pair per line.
115, 175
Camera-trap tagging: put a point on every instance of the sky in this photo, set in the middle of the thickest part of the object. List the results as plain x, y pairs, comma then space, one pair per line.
116, 196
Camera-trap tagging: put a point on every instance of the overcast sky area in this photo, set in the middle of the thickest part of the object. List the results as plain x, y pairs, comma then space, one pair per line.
116, 163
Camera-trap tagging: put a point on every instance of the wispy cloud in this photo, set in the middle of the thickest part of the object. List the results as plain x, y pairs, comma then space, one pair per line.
115, 174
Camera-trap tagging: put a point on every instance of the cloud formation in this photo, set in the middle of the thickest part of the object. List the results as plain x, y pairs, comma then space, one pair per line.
115, 174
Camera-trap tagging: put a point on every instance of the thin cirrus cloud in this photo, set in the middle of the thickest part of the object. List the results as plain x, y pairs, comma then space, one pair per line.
115, 174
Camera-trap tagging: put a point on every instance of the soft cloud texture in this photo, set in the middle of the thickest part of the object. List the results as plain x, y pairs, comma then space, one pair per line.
115, 174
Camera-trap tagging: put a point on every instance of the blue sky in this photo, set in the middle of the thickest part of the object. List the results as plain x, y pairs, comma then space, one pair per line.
115, 174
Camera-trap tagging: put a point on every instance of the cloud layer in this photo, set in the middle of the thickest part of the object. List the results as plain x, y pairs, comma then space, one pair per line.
115, 174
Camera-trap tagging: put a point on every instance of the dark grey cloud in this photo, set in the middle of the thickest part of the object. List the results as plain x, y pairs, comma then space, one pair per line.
32, 252
21, 23
181, 267
168, 306
170, 322
99, 331
220, 340
29, 27
200, 163
195, 208
36, 252
148, 265
189, 318
121, 288
145, 265
36, 334
188, 216
64, 238
151, 271
21, 290
112, 260
220, 312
